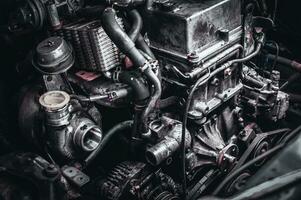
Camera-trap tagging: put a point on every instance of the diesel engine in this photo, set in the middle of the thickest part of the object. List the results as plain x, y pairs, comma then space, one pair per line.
143, 99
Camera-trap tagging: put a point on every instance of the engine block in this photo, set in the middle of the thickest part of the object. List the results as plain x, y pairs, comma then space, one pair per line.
143, 99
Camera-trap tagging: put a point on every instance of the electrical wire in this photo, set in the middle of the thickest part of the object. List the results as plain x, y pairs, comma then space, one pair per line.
200, 81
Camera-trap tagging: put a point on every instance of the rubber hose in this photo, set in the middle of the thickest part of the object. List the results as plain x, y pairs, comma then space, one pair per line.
137, 24
154, 98
285, 61
141, 44
120, 38
108, 136
141, 92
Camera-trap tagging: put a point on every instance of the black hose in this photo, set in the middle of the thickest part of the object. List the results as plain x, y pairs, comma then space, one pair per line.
141, 44
108, 136
134, 33
141, 92
151, 76
290, 80
120, 38
169, 101
295, 98
94, 11
127, 46
285, 61
136, 25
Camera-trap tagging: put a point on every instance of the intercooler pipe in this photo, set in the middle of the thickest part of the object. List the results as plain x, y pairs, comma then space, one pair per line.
61, 143
141, 44
108, 136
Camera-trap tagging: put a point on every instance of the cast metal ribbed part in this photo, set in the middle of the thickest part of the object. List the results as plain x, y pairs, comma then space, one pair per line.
93, 48
119, 178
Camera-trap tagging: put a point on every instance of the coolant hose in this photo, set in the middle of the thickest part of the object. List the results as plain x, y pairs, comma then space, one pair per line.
151, 76
141, 92
120, 38
136, 25
141, 44
108, 136
134, 33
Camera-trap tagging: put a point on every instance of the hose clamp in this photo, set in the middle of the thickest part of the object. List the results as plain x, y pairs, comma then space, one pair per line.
152, 64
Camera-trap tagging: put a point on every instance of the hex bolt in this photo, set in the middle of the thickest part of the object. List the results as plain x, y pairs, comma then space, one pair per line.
51, 171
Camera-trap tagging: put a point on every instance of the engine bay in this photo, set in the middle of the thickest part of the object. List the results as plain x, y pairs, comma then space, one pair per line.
147, 99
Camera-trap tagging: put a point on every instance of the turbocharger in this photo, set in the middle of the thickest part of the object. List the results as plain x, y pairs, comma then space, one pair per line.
70, 132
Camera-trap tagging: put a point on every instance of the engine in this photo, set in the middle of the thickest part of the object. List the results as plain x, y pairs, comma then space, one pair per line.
146, 100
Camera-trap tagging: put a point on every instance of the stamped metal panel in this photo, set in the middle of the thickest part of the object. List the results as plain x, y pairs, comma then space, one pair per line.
184, 26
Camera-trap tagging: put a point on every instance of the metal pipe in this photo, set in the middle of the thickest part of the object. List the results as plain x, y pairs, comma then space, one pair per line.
169, 145
212, 62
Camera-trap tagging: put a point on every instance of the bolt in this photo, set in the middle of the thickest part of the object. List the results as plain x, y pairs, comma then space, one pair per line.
51, 171
227, 72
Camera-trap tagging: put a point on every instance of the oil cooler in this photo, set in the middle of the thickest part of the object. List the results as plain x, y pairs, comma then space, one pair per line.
93, 48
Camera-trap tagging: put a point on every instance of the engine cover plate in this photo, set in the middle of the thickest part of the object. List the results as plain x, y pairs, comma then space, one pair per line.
194, 25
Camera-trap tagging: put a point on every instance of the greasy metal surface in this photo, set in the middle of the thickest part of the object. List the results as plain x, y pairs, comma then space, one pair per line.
215, 93
187, 26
